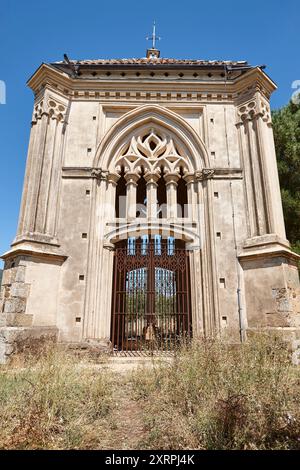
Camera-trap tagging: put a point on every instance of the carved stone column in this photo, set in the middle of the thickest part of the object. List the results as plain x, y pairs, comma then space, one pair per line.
93, 316
131, 185
171, 180
32, 179
41, 187
192, 196
211, 319
112, 181
259, 161
151, 182
266, 149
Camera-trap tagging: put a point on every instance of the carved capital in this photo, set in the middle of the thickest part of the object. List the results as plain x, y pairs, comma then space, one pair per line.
99, 174
49, 107
264, 110
257, 107
113, 178
152, 177
247, 112
205, 174
171, 178
108, 246
132, 177
189, 178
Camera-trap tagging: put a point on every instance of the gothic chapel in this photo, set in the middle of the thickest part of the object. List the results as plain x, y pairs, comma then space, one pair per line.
151, 211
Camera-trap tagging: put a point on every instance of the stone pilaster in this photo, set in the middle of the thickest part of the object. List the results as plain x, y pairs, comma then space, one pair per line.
262, 190
211, 315
95, 316
112, 181
38, 216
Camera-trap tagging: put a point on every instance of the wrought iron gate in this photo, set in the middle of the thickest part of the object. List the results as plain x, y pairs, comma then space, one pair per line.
151, 298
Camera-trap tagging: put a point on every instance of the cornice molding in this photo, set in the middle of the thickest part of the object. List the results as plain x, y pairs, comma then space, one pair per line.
47, 76
30, 251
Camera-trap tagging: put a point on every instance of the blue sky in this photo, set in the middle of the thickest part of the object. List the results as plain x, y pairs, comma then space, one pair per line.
31, 32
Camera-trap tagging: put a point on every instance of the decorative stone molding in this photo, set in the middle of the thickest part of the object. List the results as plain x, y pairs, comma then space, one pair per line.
205, 174
49, 107
265, 112
257, 107
171, 178
152, 150
108, 246
189, 178
132, 177
139, 96
77, 172
99, 174
113, 178
152, 177
247, 112
247, 93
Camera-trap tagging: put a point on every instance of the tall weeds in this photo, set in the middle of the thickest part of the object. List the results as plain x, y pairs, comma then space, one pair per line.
210, 396
216, 396
52, 403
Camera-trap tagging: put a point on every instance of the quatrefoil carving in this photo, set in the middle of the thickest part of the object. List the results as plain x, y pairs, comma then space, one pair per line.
253, 109
51, 108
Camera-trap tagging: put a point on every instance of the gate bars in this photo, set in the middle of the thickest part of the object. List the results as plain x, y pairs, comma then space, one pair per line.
151, 296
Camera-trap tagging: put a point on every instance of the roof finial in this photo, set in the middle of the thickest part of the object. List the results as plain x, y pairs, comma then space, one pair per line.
153, 52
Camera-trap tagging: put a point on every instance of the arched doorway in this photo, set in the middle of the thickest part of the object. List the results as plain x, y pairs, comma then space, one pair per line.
151, 295
162, 166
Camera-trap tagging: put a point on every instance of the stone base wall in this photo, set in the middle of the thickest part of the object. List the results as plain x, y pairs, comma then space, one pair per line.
14, 294
272, 292
15, 340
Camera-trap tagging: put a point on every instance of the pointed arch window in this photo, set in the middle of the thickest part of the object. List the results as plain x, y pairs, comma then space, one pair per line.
120, 202
182, 196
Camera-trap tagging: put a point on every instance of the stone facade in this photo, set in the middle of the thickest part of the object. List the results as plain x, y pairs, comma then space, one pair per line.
207, 124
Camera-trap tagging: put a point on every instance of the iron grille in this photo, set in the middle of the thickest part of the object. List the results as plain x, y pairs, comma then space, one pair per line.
151, 296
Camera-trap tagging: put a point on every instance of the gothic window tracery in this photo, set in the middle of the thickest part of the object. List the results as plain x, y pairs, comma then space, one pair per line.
154, 158
152, 150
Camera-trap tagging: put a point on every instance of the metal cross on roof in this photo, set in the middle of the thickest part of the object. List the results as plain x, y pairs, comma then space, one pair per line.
153, 37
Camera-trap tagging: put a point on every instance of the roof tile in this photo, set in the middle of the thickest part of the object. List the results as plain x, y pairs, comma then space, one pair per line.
154, 61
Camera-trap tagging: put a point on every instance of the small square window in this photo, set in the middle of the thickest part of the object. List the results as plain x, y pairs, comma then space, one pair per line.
222, 283
87, 192
81, 277
78, 319
84, 235
216, 195
224, 322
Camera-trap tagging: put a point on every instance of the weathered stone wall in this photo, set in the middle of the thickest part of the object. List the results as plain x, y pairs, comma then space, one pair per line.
14, 340
63, 278
272, 293
14, 294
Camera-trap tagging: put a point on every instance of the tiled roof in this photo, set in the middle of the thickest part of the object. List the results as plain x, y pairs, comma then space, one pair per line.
156, 61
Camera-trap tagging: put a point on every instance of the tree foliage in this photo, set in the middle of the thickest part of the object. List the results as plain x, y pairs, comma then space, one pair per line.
286, 125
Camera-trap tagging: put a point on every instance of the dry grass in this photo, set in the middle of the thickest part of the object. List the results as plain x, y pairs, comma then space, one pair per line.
51, 403
216, 396
212, 396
